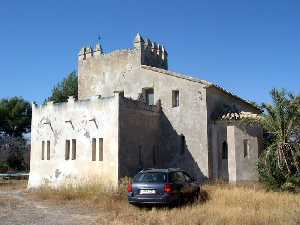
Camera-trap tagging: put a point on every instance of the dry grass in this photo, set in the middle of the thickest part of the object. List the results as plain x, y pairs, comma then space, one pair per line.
8, 185
221, 204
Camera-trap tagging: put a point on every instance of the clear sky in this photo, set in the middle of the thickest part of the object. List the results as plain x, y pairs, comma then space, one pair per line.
247, 47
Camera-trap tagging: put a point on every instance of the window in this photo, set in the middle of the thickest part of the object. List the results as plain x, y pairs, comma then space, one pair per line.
67, 150
43, 150
140, 156
149, 96
177, 177
246, 148
224, 150
48, 150
100, 149
188, 178
94, 149
73, 149
175, 98
157, 154
154, 155
151, 177
182, 144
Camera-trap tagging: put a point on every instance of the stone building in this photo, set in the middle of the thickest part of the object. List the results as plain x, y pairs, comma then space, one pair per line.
133, 113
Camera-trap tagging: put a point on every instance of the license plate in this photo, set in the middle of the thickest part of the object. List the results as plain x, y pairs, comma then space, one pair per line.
147, 191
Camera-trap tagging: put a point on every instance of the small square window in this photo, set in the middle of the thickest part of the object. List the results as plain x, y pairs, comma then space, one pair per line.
149, 96
175, 98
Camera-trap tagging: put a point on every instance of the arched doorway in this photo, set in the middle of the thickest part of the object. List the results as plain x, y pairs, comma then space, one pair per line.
223, 171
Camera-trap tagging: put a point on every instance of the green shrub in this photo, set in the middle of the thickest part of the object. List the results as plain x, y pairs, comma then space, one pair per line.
288, 186
268, 170
3, 167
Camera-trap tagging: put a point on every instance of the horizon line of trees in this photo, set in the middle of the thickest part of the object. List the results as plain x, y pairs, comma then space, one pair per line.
15, 121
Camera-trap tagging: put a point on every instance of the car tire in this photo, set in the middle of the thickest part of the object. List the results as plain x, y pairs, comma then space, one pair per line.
197, 195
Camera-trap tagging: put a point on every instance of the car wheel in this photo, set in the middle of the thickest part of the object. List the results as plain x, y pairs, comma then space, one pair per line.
196, 195
181, 200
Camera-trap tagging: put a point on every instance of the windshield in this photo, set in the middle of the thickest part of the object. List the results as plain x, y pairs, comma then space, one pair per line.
150, 177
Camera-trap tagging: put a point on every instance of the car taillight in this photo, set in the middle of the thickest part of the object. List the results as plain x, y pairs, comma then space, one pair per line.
129, 187
168, 188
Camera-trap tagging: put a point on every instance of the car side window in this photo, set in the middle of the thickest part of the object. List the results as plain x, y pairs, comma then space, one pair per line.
187, 177
177, 177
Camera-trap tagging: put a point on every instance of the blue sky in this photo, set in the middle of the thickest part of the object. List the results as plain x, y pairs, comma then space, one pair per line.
248, 47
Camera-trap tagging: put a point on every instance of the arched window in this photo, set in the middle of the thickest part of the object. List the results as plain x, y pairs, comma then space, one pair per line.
224, 150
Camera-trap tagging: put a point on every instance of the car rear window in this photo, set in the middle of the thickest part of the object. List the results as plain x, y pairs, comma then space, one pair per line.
150, 177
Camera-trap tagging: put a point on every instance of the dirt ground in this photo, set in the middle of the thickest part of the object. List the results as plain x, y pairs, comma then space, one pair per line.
221, 204
17, 207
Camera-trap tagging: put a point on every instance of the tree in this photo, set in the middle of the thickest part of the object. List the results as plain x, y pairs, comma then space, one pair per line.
15, 116
280, 163
67, 87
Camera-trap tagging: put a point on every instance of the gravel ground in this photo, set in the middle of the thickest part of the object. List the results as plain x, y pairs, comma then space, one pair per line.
17, 208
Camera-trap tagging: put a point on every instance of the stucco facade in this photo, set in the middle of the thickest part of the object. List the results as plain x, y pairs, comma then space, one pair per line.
148, 117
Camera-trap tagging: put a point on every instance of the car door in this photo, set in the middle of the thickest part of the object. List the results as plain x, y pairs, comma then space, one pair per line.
192, 187
178, 181
184, 185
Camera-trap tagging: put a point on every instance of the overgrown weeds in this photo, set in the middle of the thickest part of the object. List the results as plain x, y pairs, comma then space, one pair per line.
219, 204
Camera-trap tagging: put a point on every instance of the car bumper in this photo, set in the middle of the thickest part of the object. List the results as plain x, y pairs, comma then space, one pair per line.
160, 200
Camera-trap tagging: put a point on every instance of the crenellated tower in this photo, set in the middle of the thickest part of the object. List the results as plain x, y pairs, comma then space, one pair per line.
152, 54
149, 53
97, 70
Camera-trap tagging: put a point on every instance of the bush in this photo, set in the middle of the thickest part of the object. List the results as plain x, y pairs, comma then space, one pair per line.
272, 176
3, 167
14, 151
268, 170
288, 186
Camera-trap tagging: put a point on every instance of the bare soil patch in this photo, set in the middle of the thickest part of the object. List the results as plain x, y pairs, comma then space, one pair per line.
221, 204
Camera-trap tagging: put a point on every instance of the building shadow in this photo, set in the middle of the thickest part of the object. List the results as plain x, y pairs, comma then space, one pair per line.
174, 151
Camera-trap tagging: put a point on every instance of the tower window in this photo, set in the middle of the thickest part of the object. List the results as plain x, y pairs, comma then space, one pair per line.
175, 98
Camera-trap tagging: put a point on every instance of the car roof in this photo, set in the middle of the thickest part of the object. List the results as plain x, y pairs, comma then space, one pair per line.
165, 170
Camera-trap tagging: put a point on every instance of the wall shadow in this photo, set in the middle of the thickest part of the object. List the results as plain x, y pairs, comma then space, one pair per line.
171, 152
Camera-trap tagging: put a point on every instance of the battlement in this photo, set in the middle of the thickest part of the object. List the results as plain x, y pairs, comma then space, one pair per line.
152, 54
147, 52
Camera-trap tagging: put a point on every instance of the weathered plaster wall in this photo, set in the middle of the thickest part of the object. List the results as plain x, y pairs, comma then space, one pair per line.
216, 100
236, 167
218, 136
48, 123
98, 71
139, 129
189, 119
246, 166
